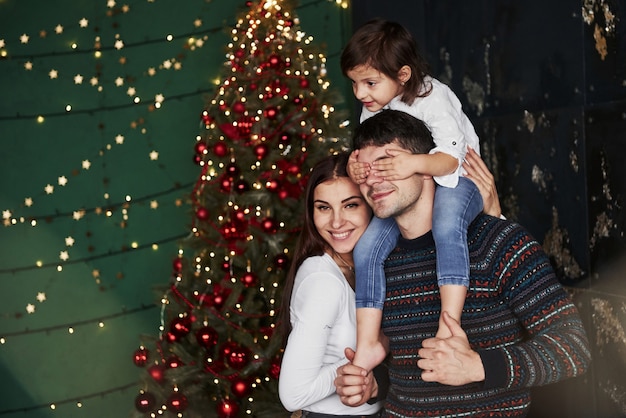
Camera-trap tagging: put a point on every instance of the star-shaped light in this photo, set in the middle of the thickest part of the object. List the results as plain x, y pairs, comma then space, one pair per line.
53, 74
2, 43
131, 91
78, 79
28, 202
78, 214
49, 189
58, 29
43, 33
110, 4
154, 155
178, 65
83, 22
119, 81
28, 65
24, 38
30, 308
86, 164
119, 139
41, 296
159, 98
126, 8
197, 23
119, 44
151, 71
6, 214
64, 255
93, 81
154, 204
69, 241
62, 181
95, 273
167, 64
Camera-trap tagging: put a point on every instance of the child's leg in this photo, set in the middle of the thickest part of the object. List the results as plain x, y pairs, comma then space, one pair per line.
369, 257
453, 211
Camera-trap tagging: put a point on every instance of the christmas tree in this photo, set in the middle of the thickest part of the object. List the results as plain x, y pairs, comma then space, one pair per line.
272, 117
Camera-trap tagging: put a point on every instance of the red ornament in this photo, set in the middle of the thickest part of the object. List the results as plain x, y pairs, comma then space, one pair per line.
177, 264
180, 326
202, 213
304, 83
173, 362
271, 185
171, 338
242, 186
235, 355
293, 169
232, 170
274, 370
220, 149
269, 225
140, 358
284, 137
239, 107
275, 61
200, 147
145, 402
206, 118
226, 185
249, 279
227, 409
270, 112
207, 337
157, 371
281, 261
240, 387
261, 151
177, 402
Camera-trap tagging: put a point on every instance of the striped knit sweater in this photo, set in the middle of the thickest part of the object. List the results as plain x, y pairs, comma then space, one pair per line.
516, 315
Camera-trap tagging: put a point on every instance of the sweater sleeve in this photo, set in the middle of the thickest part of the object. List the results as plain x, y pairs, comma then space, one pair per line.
556, 346
306, 374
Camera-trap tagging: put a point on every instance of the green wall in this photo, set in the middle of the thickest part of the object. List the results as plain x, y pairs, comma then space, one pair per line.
98, 241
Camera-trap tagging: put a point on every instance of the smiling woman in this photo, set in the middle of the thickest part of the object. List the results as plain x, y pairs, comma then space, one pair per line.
319, 304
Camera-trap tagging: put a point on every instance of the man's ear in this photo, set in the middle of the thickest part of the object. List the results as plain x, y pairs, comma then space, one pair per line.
404, 74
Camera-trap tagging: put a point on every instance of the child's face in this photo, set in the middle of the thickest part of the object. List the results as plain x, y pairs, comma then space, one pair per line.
373, 88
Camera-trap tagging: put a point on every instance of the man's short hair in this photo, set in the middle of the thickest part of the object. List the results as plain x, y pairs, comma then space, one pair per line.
396, 126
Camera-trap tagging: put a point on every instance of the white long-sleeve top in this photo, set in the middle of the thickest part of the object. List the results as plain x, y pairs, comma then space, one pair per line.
450, 127
323, 320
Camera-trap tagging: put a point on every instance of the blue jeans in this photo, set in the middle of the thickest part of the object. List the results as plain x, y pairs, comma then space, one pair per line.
454, 209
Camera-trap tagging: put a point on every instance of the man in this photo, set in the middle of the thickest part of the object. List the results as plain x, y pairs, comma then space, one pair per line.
520, 329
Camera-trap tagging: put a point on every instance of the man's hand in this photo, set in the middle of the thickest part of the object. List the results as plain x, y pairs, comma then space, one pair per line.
450, 361
357, 171
478, 172
353, 384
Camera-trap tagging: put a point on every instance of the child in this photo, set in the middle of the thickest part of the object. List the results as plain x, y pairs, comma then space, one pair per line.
382, 61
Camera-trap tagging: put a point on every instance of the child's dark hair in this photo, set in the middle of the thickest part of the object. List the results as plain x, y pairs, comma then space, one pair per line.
388, 46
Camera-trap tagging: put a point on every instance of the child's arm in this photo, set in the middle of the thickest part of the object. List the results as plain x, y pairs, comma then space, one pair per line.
403, 164
357, 171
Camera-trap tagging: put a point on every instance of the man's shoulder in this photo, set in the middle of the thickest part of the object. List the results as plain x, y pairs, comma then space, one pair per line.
492, 229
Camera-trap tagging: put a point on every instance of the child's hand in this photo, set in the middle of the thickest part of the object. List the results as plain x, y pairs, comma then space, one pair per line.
357, 171
399, 166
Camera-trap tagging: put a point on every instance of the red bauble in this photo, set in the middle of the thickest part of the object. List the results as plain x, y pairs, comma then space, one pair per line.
270, 112
200, 147
177, 402
202, 213
226, 185
249, 279
232, 170
220, 149
271, 185
284, 138
293, 169
180, 326
240, 387
239, 107
140, 358
274, 370
173, 362
156, 371
242, 186
177, 264
281, 261
235, 355
206, 118
275, 61
304, 83
170, 337
261, 151
269, 225
145, 402
227, 409
207, 337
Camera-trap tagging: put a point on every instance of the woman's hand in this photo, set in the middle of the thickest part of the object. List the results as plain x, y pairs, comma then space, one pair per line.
478, 172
